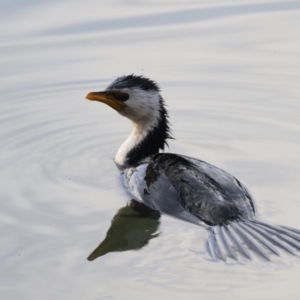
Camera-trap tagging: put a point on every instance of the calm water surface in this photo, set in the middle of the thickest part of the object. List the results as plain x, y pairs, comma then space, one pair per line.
230, 73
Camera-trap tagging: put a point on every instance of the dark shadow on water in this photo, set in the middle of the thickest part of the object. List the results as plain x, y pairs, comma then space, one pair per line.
131, 229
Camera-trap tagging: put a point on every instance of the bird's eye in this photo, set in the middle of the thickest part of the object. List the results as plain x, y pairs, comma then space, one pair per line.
124, 97
120, 96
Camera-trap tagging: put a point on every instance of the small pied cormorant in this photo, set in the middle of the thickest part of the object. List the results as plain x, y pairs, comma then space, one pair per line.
185, 187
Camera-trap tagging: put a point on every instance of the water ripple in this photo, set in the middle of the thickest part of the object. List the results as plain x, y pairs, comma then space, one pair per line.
57, 145
173, 18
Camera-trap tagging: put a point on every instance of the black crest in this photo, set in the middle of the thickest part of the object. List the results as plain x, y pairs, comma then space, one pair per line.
134, 81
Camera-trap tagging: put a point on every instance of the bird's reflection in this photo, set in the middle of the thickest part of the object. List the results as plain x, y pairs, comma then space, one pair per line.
131, 229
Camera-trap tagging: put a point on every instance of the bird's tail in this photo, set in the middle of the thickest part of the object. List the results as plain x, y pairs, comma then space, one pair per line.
249, 240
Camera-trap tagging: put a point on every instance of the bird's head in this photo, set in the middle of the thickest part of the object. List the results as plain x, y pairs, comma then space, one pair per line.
138, 99
134, 97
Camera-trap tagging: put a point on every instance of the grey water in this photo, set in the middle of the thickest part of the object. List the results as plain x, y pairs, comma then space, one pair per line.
229, 72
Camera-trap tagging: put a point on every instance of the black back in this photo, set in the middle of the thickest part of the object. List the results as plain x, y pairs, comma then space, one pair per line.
177, 184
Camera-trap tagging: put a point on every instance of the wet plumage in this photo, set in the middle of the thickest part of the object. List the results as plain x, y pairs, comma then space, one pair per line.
185, 187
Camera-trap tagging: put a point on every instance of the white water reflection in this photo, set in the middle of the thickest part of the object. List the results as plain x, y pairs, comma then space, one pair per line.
230, 75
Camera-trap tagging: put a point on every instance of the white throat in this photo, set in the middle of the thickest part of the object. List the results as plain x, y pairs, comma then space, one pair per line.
143, 109
138, 134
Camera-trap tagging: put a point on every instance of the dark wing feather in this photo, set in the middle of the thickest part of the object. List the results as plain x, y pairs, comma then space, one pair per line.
176, 184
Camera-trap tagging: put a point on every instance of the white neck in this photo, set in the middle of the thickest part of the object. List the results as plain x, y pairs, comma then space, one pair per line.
150, 127
138, 134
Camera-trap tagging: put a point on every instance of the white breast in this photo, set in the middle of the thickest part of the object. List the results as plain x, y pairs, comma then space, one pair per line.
133, 179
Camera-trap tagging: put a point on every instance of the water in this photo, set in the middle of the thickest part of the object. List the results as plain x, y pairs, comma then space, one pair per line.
229, 72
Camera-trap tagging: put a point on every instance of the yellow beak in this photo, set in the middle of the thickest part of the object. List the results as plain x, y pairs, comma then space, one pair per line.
108, 97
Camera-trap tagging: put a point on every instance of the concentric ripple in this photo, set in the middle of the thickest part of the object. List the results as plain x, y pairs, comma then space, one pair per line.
48, 145
229, 72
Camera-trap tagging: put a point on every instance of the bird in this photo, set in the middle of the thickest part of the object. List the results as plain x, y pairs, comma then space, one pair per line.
184, 187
